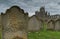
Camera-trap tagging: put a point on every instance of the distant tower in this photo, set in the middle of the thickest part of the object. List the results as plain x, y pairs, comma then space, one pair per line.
42, 9
41, 13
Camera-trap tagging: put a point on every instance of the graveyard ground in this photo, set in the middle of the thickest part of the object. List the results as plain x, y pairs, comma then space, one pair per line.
0, 33
44, 35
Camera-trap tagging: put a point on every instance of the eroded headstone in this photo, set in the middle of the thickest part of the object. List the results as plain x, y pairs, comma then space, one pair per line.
14, 23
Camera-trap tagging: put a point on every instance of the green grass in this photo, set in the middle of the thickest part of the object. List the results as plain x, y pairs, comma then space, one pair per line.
44, 35
0, 35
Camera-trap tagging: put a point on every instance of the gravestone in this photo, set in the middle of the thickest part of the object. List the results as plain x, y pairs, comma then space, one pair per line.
57, 25
50, 25
14, 23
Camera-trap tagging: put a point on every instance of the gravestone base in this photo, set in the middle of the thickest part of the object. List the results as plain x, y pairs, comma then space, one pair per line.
15, 35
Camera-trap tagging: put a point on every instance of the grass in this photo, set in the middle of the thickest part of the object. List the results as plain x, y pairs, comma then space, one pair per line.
0, 35
0, 32
44, 35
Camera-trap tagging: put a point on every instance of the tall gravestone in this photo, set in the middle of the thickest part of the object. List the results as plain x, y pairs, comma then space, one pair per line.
14, 23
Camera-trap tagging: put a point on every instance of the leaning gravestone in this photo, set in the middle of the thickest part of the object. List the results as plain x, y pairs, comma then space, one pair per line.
14, 23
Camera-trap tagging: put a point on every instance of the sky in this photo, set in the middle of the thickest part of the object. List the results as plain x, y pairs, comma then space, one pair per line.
30, 6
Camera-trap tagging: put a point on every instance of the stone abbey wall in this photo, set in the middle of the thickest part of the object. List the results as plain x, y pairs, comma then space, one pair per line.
35, 24
42, 19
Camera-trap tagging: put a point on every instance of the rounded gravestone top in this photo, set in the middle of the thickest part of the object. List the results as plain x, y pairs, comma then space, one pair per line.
17, 7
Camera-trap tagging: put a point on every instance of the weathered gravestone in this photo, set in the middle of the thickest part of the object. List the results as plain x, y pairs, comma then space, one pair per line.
50, 25
57, 24
14, 23
34, 24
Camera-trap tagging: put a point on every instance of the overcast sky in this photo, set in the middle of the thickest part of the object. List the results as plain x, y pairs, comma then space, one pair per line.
30, 6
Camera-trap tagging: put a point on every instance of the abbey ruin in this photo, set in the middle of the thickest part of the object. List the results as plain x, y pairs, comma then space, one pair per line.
16, 23
43, 19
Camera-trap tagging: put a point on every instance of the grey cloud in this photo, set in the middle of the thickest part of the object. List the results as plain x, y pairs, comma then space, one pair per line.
31, 6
